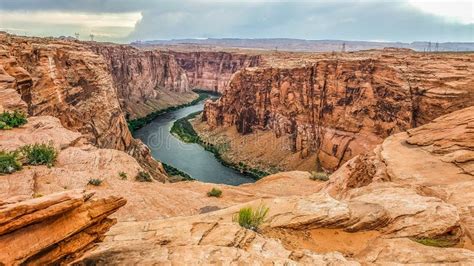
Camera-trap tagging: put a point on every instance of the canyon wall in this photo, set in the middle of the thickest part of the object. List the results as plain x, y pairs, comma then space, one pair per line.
71, 82
145, 80
213, 70
341, 107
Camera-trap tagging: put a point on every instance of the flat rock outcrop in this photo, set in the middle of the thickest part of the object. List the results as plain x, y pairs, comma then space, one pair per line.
213, 70
337, 108
146, 81
69, 81
53, 229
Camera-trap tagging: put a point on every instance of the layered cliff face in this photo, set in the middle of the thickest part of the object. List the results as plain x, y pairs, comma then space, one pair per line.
146, 81
338, 108
53, 229
71, 82
213, 70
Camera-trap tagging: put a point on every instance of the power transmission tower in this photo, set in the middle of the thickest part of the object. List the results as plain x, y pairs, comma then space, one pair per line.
429, 46
77, 35
343, 47
92, 37
437, 47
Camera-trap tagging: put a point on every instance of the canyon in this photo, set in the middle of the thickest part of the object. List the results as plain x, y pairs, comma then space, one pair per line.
335, 106
146, 81
395, 126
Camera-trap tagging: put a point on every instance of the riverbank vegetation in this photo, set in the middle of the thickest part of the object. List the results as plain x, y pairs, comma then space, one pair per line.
183, 130
210, 92
172, 171
138, 123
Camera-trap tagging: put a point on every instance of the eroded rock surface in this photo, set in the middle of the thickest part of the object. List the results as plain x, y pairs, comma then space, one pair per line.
71, 82
426, 172
213, 70
337, 108
146, 81
54, 228
388, 204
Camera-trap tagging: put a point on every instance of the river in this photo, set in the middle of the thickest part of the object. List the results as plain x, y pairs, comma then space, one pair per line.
188, 157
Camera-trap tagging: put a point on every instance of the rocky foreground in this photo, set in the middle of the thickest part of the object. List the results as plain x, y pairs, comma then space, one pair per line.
408, 201
52, 229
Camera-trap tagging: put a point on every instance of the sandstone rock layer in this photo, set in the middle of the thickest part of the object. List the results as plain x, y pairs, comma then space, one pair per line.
337, 108
146, 81
213, 70
70, 81
53, 229
385, 207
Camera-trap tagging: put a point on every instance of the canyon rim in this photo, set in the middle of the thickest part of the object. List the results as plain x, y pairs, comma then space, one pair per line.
272, 148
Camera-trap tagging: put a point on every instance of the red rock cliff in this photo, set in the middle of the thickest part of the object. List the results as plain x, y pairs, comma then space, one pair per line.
71, 82
213, 70
339, 108
145, 80
53, 229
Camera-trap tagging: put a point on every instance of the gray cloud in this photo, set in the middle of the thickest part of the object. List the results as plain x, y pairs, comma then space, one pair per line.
349, 20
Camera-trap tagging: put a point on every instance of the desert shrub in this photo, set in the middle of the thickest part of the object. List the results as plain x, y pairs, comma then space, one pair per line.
10, 120
37, 195
95, 182
39, 154
9, 162
322, 176
250, 218
123, 175
433, 242
143, 176
215, 192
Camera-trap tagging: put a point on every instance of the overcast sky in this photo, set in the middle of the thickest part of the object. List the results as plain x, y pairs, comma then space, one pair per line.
129, 20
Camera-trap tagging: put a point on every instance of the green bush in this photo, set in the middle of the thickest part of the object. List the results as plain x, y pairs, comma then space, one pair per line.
123, 175
39, 154
37, 195
251, 219
10, 120
433, 242
215, 192
9, 162
95, 182
321, 176
143, 177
